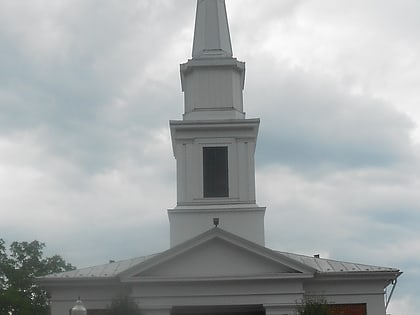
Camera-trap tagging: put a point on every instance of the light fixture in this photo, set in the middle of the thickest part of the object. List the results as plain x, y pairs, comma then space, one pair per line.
216, 221
78, 308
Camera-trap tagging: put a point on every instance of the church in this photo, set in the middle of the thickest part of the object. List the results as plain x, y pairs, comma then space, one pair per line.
217, 262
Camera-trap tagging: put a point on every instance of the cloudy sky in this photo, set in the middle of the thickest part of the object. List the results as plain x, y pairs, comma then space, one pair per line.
87, 88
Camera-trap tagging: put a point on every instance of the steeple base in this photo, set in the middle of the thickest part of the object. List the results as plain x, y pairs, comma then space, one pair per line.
245, 220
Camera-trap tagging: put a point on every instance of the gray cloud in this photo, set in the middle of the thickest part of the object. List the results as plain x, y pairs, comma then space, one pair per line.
370, 216
310, 122
87, 95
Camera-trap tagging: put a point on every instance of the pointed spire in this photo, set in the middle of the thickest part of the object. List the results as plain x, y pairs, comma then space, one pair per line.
211, 35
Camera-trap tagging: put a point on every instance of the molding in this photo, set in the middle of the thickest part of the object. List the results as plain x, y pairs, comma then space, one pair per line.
280, 276
388, 275
215, 208
228, 123
80, 281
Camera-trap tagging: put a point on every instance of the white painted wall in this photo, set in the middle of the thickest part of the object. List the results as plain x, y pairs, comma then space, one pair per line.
218, 293
278, 295
245, 222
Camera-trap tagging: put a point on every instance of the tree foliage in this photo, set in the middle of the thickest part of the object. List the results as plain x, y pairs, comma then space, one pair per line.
313, 306
19, 266
124, 305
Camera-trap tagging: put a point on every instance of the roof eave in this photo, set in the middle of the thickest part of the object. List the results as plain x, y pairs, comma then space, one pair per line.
388, 275
286, 276
86, 281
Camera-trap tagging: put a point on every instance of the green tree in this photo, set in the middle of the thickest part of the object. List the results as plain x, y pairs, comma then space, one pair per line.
313, 306
124, 305
19, 266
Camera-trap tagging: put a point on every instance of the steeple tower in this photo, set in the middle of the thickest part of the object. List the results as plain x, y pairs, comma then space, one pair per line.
214, 144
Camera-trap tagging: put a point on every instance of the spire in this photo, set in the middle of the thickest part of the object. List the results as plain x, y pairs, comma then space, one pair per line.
211, 35
212, 81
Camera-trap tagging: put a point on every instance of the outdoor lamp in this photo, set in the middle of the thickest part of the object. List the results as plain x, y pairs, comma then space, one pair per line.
78, 309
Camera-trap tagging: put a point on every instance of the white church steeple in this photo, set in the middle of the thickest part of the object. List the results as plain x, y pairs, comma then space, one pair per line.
214, 145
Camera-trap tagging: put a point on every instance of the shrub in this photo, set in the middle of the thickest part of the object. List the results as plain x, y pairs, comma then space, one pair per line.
313, 306
124, 306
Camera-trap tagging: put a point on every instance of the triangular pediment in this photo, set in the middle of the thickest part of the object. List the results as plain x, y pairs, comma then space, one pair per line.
217, 254
216, 258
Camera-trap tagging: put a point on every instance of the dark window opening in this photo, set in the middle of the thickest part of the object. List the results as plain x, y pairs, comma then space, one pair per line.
347, 309
99, 312
215, 172
219, 310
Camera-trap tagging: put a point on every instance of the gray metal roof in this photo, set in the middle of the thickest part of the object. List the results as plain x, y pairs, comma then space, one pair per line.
110, 270
321, 265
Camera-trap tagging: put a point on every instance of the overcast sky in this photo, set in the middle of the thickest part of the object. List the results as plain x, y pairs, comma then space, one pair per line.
87, 88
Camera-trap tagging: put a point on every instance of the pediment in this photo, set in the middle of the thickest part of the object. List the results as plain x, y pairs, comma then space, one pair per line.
216, 258
217, 254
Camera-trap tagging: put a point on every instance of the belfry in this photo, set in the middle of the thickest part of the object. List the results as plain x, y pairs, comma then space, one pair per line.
217, 262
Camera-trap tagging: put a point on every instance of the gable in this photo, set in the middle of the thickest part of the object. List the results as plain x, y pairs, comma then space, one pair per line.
216, 258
